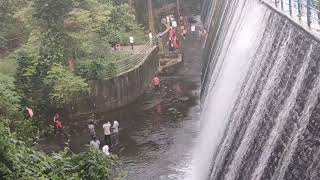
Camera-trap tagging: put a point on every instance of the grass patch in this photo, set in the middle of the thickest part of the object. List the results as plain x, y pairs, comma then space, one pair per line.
8, 66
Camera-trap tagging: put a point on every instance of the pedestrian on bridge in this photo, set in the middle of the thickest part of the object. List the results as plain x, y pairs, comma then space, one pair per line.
131, 39
150, 38
193, 30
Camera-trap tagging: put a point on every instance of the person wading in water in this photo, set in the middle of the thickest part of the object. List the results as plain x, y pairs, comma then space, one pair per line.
95, 143
156, 83
107, 134
57, 123
115, 131
91, 128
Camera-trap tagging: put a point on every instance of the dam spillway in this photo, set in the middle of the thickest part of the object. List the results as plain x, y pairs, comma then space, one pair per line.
260, 95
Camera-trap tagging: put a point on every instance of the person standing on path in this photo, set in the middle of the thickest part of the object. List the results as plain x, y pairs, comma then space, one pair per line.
107, 133
174, 24
115, 131
150, 38
193, 30
131, 39
176, 43
95, 143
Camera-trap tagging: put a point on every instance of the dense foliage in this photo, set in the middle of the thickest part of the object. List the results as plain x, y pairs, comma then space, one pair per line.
76, 34
60, 45
8, 97
17, 161
65, 85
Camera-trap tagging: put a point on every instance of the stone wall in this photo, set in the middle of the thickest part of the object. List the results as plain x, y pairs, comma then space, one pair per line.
122, 90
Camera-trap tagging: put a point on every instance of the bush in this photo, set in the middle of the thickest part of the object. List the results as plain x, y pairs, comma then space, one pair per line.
17, 161
9, 99
90, 70
65, 87
93, 70
8, 66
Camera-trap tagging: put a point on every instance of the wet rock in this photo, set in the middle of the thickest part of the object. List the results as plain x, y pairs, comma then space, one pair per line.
172, 109
184, 99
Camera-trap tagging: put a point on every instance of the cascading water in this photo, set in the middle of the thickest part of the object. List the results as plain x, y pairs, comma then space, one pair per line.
260, 96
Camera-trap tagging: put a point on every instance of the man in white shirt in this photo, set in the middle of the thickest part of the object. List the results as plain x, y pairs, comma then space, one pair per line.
174, 24
193, 29
150, 38
107, 133
131, 39
95, 143
115, 130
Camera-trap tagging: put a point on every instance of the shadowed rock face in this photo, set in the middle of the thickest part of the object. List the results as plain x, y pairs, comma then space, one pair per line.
273, 130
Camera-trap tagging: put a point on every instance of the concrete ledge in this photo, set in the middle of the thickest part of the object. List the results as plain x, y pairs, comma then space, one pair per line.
168, 60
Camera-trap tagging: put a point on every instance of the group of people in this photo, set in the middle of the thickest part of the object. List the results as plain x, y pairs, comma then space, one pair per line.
173, 43
108, 130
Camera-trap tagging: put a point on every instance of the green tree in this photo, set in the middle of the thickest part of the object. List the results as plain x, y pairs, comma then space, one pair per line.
65, 86
51, 13
9, 99
18, 161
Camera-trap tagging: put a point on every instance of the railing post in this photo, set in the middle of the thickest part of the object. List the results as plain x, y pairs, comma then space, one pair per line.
290, 8
318, 11
309, 12
276, 3
299, 9
281, 1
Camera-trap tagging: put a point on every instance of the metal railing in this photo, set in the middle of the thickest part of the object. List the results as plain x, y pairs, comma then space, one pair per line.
308, 10
131, 62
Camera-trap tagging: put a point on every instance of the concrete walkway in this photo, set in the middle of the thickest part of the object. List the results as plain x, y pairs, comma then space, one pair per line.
128, 49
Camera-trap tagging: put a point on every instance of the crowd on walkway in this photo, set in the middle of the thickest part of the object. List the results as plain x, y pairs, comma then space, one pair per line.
181, 29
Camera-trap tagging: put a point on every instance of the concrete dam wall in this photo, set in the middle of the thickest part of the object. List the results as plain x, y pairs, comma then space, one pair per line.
260, 95
114, 93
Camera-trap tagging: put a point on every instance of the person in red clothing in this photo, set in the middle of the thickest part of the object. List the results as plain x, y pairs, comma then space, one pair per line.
176, 43
57, 123
156, 83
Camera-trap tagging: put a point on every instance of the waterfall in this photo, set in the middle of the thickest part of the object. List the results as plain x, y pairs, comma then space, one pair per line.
260, 96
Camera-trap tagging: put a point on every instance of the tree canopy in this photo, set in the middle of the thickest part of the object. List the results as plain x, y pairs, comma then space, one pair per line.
45, 38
